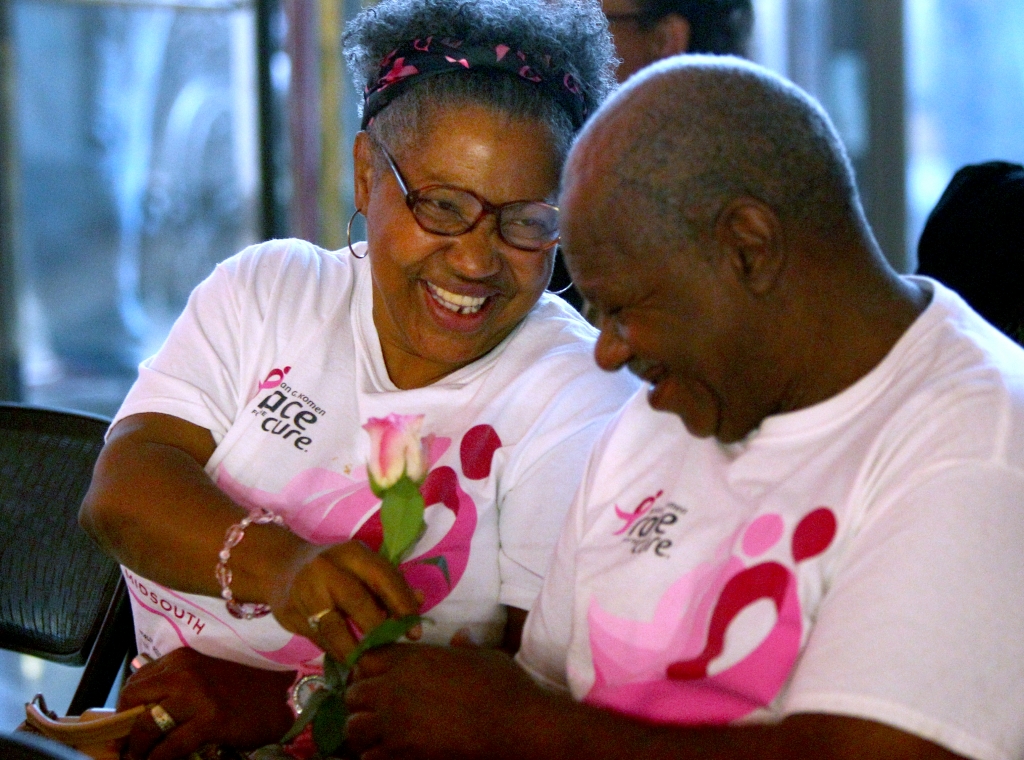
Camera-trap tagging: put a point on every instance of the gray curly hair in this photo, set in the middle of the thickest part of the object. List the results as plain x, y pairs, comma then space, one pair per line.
574, 33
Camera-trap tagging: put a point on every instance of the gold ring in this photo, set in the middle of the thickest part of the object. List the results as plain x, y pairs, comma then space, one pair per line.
163, 719
313, 621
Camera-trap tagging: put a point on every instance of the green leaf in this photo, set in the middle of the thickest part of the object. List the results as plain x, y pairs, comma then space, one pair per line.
316, 699
388, 632
329, 724
335, 673
401, 516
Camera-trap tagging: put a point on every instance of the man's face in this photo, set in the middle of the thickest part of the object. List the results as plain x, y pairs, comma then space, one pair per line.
635, 43
679, 320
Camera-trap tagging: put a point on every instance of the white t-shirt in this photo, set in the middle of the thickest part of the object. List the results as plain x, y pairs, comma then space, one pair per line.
863, 556
276, 354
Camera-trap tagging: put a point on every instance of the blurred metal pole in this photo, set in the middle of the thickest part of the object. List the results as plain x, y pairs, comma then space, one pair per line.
333, 138
273, 221
883, 177
849, 55
10, 366
304, 117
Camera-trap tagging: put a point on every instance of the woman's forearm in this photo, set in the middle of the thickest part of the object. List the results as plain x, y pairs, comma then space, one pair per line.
153, 507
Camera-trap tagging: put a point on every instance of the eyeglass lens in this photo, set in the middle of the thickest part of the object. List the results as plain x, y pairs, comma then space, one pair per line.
446, 210
449, 211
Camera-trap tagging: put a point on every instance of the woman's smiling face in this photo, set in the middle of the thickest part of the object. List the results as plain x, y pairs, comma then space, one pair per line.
440, 303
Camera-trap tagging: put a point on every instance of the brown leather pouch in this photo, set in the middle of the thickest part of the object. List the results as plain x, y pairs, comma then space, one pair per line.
97, 733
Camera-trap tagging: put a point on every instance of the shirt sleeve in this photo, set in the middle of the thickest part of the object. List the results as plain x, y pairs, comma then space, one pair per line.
532, 515
195, 374
546, 473
547, 634
207, 368
923, 625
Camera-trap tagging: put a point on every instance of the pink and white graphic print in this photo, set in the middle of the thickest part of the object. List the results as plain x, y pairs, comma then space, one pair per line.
665, 670
327, 507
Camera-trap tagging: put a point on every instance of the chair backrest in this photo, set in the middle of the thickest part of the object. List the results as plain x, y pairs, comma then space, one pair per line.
24, 746
61, 597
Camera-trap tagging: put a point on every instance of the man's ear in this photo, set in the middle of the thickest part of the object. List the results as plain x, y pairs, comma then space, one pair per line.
751, 234
364, 170
672, 35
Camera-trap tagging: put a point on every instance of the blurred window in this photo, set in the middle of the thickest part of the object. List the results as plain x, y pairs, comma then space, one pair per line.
136, 163
131, 147
965, 93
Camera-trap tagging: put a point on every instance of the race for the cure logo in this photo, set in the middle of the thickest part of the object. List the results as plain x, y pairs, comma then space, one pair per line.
647, 526
286, 412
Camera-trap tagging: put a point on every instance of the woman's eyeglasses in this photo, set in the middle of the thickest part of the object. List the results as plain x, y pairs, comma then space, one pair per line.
450, 211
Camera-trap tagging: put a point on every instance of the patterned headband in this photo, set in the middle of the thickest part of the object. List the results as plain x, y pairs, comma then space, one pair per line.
428, 56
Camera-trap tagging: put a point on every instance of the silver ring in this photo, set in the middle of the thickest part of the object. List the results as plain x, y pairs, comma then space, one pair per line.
163, 719
313, 621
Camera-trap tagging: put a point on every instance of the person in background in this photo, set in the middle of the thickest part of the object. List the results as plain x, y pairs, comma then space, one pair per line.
973, 242
237, 467
803, 539
645, 31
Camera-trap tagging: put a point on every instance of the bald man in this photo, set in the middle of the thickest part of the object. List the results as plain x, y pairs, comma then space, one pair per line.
804, 539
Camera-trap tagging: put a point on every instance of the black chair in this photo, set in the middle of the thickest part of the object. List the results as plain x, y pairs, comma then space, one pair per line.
23, 746
61, 598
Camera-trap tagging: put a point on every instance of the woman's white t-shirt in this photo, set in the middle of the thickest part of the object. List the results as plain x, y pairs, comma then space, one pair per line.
276, 354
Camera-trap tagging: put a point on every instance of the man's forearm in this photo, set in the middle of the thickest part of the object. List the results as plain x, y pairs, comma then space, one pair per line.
554, 727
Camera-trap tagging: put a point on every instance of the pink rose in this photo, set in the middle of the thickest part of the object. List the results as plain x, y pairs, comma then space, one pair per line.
395, 449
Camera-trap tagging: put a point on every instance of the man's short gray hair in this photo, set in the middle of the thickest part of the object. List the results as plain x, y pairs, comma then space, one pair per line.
698, 131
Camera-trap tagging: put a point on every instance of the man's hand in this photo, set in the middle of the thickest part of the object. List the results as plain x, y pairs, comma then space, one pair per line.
417, 701
414, 702
211, 702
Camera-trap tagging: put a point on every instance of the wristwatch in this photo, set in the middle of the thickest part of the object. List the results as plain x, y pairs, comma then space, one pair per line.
303, 689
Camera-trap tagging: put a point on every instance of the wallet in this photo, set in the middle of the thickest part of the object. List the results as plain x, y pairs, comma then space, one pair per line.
96, 732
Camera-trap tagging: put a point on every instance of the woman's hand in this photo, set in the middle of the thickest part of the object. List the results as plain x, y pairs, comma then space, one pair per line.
344, 591
211, 701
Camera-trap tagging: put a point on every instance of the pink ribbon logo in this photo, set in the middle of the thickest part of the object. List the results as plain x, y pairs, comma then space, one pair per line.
631, 517
274, 378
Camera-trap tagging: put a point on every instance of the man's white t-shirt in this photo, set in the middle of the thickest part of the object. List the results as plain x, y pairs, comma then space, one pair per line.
276, 354
863, 556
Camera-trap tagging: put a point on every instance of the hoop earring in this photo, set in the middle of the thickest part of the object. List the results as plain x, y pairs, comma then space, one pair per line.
561, 290
558, 257
348, 235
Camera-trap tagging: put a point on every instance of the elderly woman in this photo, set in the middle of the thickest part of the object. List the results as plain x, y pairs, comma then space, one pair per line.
234, 480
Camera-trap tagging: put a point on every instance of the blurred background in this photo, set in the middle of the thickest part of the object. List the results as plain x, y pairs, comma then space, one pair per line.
142, 141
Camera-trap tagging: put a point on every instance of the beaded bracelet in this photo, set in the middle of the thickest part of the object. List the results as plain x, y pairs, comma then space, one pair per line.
242, 610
